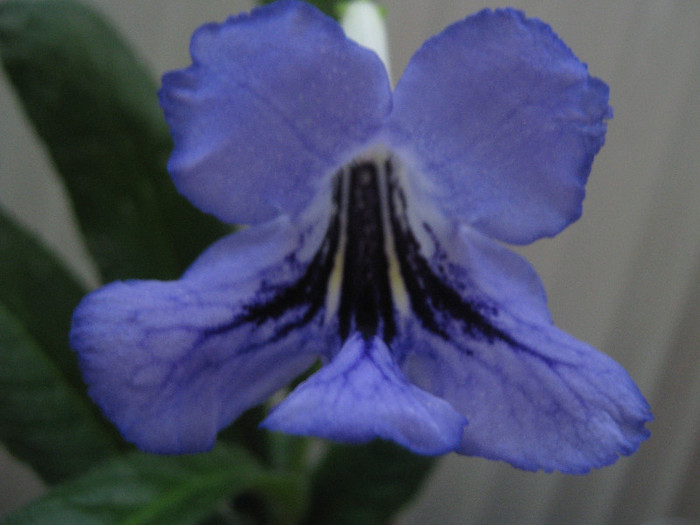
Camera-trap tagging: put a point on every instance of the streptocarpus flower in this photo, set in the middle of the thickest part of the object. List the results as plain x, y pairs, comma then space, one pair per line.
374, 219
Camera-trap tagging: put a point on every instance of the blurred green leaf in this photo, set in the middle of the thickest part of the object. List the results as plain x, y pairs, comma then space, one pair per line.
43, 420
288, 452
95, 106
140, 489
41, 293
365, 484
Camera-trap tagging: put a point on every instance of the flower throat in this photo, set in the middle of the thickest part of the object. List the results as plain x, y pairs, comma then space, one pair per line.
368, 269
366, 303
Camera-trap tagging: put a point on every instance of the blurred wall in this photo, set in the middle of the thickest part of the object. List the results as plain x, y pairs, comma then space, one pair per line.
625, 278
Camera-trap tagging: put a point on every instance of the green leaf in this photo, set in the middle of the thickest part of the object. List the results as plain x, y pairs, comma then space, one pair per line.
288, 452
41, 293
95, 106
140, 489
366, 484
44, 421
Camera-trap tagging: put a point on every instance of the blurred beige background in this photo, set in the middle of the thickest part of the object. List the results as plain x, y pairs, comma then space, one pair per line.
625, 278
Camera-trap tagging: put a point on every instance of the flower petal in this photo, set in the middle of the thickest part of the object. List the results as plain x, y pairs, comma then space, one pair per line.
361, 395
534, 396
273, 102
550, 402
503, 121
171, 363
496, 272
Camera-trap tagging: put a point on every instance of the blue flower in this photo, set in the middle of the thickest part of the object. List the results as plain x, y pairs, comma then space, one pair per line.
373, 246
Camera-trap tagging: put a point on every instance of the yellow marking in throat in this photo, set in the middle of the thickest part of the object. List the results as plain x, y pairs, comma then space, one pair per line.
335, 281
398, 287
399, 294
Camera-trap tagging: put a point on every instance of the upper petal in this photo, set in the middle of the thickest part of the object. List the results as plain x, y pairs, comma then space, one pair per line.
503, 121
362, 395
171, 363
273, 102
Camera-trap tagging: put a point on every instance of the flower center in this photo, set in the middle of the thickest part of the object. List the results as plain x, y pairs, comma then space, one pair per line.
379, 269
365, 258
369, 270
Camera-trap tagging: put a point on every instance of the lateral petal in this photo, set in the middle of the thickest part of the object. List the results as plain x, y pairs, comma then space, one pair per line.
503, 122
273, 103
362, 395
171, 363
534, 396
548, 402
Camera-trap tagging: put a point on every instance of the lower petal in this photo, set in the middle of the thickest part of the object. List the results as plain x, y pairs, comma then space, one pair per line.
535, 397
171, 363
483, 340
361, 395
